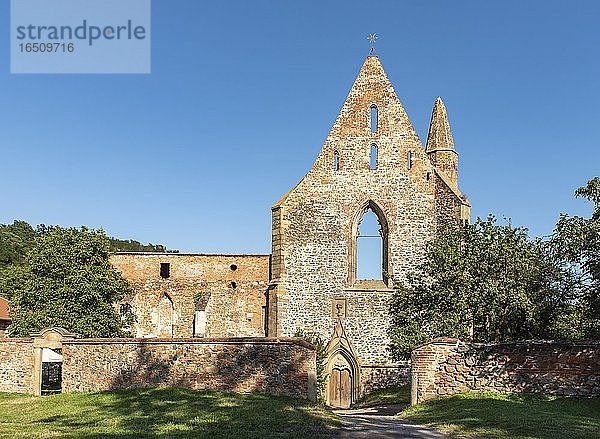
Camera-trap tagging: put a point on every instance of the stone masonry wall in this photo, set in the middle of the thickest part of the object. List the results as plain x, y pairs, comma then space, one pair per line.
233, 299
373, 378
315, 224
446, 367
16, 365
272, 366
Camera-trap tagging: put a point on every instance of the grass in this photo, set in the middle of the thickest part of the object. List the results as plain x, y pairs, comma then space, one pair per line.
164, 413
517, 416
390, 395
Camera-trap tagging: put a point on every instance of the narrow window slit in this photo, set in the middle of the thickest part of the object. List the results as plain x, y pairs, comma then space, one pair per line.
374, 117
373, 157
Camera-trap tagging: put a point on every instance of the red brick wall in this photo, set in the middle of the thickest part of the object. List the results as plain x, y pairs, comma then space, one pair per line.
230, 311
446, 367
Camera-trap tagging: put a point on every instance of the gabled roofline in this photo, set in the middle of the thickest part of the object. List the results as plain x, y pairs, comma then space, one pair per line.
455, 190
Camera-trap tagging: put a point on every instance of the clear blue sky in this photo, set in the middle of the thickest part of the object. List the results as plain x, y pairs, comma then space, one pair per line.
242, 95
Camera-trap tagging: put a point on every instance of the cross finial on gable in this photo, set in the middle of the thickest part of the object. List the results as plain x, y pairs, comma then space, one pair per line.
372, 39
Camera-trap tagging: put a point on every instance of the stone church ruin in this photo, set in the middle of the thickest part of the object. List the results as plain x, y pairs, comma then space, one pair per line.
372, 162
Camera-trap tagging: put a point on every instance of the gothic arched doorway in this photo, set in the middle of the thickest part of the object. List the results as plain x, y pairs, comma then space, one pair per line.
339, 388
342, 370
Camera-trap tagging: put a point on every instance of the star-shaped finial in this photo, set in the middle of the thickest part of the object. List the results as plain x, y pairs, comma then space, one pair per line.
372, 39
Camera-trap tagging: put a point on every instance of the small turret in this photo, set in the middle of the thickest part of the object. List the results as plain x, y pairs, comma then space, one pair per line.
440, 144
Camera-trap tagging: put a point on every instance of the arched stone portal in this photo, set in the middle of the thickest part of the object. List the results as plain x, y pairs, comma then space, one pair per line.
342, 370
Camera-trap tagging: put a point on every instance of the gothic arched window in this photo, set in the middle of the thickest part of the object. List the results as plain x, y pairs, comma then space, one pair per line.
368, 249
336, 160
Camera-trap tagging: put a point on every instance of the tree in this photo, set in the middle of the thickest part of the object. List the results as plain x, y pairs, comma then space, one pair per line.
481, 282
123, 245
575, 246
15, 240
66, 280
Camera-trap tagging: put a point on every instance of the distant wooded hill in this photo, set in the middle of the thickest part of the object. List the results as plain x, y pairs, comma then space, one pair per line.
17, 238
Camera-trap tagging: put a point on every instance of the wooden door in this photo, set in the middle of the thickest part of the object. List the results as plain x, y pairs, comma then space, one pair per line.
340, 388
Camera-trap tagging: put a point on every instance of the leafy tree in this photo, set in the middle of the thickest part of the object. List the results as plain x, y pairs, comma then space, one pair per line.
129, 245
480, 282
321, 351
575, 246
15, 240
66, 280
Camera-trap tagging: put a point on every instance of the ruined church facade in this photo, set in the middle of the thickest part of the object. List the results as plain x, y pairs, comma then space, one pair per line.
371, 161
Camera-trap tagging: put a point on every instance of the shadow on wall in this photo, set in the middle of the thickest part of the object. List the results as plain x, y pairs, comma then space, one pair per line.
276, 368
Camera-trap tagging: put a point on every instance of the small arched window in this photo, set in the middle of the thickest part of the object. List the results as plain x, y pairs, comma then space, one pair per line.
373, 157
409, 160
373, 119
336, 161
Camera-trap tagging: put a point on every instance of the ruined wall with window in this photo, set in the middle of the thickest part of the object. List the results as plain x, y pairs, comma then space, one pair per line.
372, 162
195, 295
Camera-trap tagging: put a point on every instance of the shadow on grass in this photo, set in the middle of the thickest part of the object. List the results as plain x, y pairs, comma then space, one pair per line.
164, 413
490, 415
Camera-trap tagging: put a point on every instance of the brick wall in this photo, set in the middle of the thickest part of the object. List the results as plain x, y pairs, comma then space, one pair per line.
446, 367
272, 366
16, 365
232, 300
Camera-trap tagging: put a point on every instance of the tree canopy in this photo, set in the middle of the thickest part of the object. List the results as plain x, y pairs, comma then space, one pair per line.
15, 241
575, 247
65, 280
480, 282
487, 282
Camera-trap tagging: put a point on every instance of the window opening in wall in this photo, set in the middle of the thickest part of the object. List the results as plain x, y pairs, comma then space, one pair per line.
409, 160
428, 176
233, 267
165, 270
233, 285
336, 161
165, 314
369, 248
51, 371
374, 117
125, 310
373, 157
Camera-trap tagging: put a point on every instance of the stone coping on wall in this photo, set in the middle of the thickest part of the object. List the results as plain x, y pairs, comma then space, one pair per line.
458, 342
185, 341
15, 340
233, 255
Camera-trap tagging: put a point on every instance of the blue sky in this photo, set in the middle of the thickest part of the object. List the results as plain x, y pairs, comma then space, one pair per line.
242, 95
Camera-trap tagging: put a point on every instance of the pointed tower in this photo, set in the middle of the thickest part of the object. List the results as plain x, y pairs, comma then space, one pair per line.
440, 144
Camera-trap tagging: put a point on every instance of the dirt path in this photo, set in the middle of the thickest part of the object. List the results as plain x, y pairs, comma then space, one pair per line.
379, 422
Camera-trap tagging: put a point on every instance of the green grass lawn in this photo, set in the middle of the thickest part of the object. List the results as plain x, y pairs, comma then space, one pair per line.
390, 395
164, 413
492, 415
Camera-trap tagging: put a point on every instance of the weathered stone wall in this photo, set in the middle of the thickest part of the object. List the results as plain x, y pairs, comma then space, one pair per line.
273, 366
376, 377
446, 367
315, 224
233, 300
16, 365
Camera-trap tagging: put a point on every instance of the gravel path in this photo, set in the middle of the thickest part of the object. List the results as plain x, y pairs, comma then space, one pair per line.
379, 422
